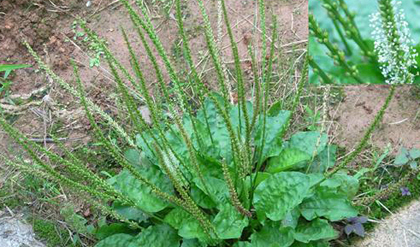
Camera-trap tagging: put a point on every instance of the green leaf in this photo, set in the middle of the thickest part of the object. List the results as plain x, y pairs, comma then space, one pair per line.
210, 166
261, 177
235, 117
315, 230
117, 240
141, 194
229, 222
242, 244
7, 68
112, 229
327, 203
291, 219
142, 145
275, 108
311, 142
201, 198
345, 184
129, 212
402, 158
280, 193
157, 236
188, 227
370, 73
217, 189
324, 160
274, 128
218, 130
413, 164
315, 178
192, 243
273, 236
311, 244
289, 158
133, 156
414, 153
178, 145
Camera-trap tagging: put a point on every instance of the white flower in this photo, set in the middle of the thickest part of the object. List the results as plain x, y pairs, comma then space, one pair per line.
395, 56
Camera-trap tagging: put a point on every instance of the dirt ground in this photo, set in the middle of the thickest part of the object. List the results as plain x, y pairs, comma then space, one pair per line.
400, 126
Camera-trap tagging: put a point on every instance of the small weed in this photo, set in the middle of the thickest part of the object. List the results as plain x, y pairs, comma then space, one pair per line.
51, 233
5, 83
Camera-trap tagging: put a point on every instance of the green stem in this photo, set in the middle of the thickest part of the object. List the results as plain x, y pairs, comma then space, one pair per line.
367, 135
342, 37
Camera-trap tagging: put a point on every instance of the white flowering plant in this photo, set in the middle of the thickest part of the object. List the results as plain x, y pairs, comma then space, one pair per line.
377, 45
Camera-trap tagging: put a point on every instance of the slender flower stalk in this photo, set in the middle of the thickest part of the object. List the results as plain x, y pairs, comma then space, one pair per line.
335, 52
347, 22
393, 42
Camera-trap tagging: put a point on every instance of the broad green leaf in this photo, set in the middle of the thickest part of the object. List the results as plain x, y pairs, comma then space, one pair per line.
188, 227
177, 144
291, 219
324, 160
274, 127
345, 184
158, 236
314, 230
242, 244
414, 153
133, 156
328, 204
218, 129
192, 243
311, 244
280, 193
275, 108
289, 158
217, 189
229, 222
261, 177
129, 212
141, 143
235, 117
201, 198
311, 142
370, 73
273, 236
405, 156
315, 178
112, 229
402, 158
141, 194
117, 240
210, 166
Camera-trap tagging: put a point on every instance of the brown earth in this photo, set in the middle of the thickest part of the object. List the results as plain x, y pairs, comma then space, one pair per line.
400, 126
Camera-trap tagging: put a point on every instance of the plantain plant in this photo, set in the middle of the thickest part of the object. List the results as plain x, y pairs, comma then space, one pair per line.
217, 173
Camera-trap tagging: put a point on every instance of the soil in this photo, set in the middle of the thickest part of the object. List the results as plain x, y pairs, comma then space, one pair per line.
400, 126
